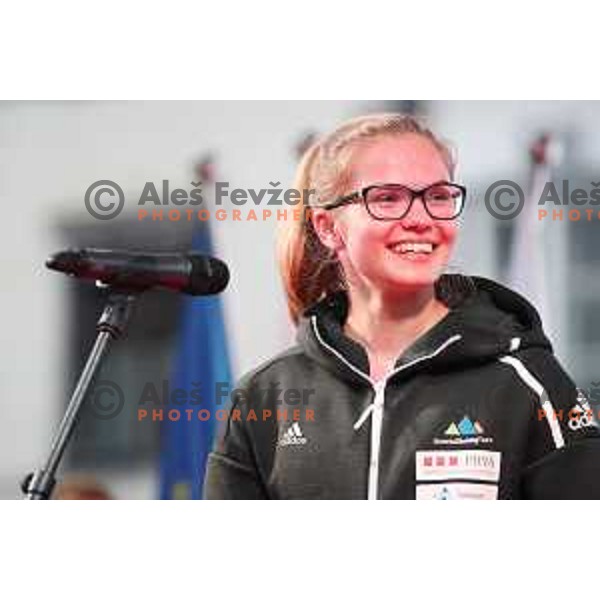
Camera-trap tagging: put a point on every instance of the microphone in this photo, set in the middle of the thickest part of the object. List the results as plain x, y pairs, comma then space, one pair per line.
187, 272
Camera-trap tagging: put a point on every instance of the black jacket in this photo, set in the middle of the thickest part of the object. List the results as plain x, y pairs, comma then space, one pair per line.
478, 407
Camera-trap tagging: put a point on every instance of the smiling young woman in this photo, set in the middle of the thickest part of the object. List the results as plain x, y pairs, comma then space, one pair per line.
392, 253
426, 385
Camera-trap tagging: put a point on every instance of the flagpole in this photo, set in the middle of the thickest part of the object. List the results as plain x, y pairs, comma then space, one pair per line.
527, 271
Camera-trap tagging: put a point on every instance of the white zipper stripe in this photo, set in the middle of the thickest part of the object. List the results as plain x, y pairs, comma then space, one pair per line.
545, 402
377, 406
377, 420
340, 356
376, 425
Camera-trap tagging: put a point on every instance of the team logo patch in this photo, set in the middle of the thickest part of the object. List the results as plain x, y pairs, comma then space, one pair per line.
444, 465
464, 433
457, 491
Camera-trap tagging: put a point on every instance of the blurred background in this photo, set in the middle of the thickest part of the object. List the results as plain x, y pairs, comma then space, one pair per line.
51, 152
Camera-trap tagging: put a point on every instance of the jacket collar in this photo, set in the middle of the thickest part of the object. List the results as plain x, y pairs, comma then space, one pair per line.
486, 316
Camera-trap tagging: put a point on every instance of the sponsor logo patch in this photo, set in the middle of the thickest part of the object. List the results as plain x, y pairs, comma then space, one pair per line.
464, 433
457, 491
444, 465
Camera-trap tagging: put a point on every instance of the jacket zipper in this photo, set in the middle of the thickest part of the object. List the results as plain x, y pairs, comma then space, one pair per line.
376, 425
376, 408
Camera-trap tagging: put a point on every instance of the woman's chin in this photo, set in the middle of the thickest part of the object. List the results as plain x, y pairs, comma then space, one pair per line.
414, 276
408, 284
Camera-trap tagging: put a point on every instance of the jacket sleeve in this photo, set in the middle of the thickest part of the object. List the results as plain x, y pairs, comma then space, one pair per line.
563, 456
231, 472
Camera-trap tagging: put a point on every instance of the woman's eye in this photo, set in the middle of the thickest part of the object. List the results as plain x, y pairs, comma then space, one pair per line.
384, 198
440, 195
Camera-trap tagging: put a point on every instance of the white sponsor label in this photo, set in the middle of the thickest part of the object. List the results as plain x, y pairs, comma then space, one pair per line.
435, 465
457, 491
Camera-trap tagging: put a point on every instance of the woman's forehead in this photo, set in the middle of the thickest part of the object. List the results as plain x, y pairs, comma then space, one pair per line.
410, 159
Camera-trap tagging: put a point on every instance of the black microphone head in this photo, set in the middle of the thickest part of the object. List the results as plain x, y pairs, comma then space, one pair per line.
190, 273
67, 261
208, 275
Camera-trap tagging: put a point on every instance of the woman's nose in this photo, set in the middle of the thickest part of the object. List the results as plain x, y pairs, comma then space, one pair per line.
417, 217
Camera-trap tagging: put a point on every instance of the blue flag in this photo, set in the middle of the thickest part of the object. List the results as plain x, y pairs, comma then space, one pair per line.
201, 362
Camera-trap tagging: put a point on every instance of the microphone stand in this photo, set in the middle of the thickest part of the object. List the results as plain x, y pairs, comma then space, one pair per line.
111, 325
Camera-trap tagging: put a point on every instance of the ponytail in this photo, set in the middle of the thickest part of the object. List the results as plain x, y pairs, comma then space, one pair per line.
309, 270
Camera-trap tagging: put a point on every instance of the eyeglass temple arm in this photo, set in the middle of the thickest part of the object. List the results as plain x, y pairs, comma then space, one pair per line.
341, 201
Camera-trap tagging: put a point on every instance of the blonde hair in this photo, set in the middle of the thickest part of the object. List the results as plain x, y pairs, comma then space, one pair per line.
309, 270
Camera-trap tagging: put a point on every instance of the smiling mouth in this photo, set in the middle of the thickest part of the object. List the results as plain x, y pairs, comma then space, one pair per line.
413, 248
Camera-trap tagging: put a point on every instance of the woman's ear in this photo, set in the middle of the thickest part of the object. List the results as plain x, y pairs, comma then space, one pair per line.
326, 228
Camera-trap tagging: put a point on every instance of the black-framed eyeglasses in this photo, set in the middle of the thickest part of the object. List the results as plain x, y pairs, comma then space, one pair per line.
443, 200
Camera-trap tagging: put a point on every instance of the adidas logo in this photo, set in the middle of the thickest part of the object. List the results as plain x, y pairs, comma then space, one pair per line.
293, 436
466, 431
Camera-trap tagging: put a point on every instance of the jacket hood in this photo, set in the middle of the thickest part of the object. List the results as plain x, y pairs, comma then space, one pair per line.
486, 320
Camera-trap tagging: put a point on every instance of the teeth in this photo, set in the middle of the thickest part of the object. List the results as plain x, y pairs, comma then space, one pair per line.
423, 247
